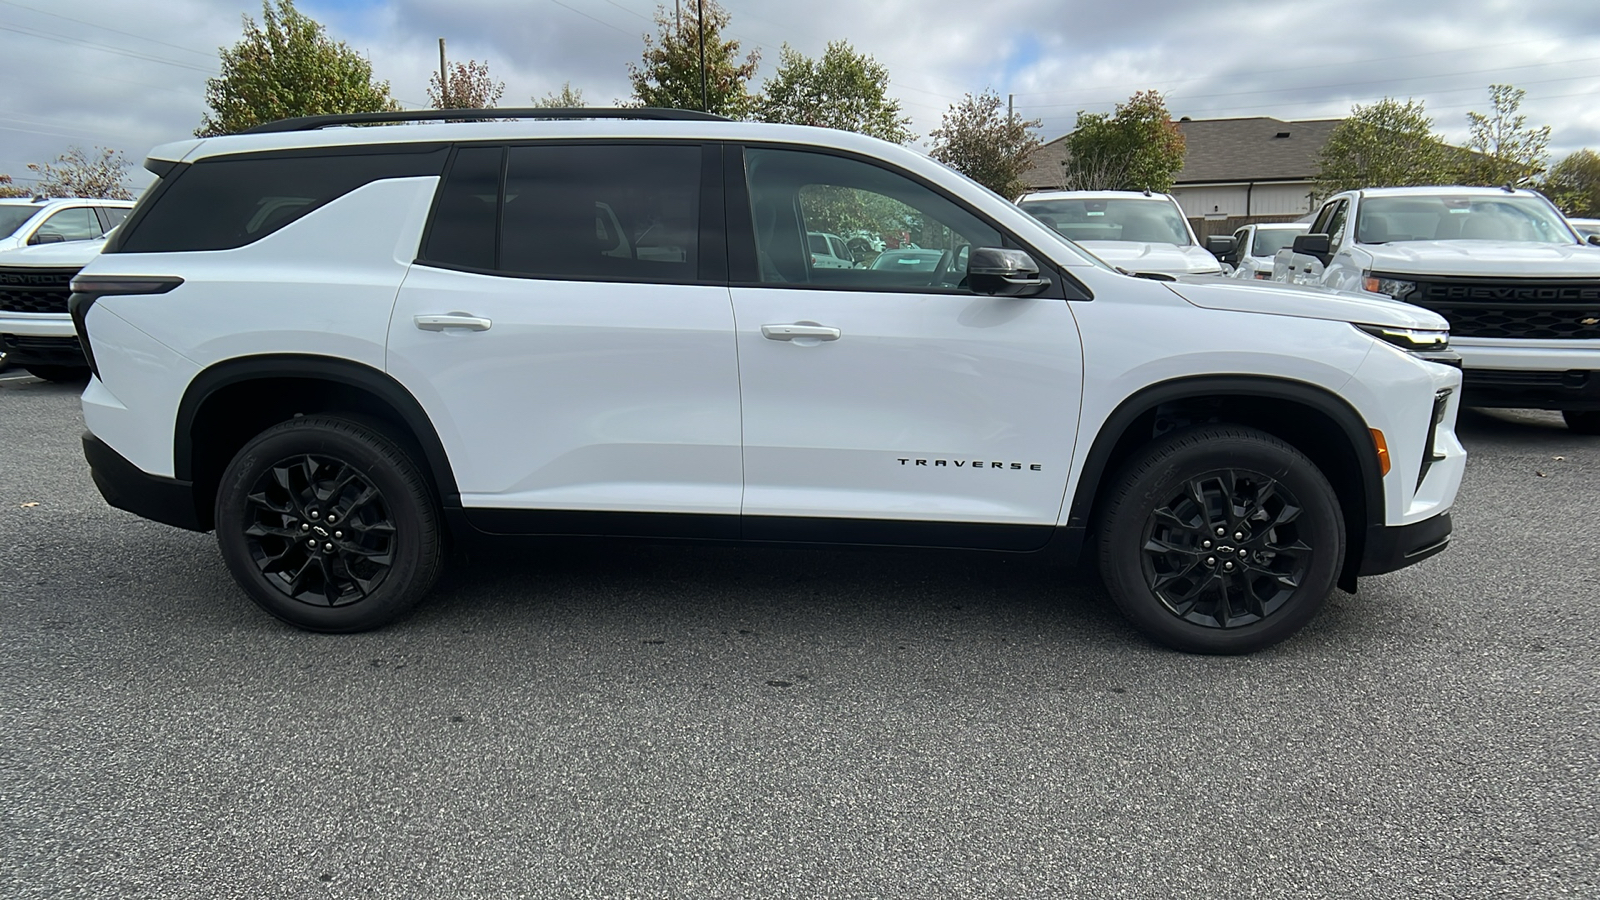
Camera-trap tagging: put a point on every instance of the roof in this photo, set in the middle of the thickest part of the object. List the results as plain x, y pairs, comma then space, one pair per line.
1433, 190
1094, 195
1258, 148
43, 202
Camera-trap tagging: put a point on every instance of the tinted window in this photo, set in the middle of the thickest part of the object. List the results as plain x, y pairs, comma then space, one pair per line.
112, 216
1270, 240
227, 202
76, 224
611, 212
463, 228
794, 193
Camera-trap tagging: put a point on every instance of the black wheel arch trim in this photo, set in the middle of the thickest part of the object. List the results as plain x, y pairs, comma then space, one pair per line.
1201, 386
292, 365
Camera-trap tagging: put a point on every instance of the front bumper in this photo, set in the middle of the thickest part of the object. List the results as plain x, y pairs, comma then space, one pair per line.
1393, 547
127, 487
1532, 388
42, 349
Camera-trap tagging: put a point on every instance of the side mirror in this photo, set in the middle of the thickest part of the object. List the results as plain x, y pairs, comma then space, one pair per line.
999, 272
1223, 247
47, 239
1594, 239
1316, 245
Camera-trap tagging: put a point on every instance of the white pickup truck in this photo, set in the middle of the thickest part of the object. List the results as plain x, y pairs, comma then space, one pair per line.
36, 332
1520, 288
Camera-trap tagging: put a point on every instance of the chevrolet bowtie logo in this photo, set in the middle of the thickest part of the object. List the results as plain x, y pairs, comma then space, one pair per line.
1589, 321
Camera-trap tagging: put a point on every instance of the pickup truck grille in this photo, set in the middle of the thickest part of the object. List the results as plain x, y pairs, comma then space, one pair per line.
30, 290
1532, 308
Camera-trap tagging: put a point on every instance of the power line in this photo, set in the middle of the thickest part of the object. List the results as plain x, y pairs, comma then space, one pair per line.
132, 54
209, 53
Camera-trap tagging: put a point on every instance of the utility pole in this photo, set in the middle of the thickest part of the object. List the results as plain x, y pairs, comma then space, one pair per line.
444, 76
1009, 114
701, 17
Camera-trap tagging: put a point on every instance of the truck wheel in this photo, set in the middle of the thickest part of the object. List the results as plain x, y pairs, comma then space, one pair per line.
328, 525
1221, 539
1586, 421
58, 373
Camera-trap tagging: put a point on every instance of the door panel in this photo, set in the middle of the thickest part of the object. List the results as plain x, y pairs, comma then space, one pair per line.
940, 407
891, 392
579, 395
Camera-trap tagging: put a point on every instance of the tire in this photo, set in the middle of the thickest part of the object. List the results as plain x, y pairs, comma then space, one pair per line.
58, 374
298, 481
1260, 580
1585, 421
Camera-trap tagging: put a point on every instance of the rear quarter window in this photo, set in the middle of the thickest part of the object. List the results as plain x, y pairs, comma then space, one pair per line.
227, 202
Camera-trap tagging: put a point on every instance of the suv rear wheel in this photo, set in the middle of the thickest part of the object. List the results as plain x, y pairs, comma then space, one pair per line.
328, 524
1221, 540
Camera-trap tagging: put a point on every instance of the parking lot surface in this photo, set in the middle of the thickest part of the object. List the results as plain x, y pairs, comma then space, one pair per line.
619, 719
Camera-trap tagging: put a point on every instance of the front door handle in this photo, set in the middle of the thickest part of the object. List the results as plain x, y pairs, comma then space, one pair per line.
799, 330
453, 320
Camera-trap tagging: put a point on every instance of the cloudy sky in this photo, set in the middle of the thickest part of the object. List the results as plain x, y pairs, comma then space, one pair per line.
129, 76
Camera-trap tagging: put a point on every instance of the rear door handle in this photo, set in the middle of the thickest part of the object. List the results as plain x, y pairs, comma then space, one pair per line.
799, 330
453, 320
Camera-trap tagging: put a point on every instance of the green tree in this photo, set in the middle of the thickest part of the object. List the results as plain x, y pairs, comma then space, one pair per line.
1504, 151
289, 67
77, 174
1574, 184
978, 139
1138, 147
470, 87
669, 75
844, 90
1386, 144
568, 98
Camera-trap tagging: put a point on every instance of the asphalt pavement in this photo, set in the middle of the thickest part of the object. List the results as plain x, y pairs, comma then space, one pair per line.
620, 719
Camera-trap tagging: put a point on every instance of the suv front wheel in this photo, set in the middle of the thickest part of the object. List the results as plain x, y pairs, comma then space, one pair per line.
328, 524
1221, 539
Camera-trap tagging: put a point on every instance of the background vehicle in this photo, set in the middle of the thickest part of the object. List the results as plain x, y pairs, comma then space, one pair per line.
1140, 232
36, 332
398, 359
829, 251
1588, 229
1520, 289
1256, 245
42, 220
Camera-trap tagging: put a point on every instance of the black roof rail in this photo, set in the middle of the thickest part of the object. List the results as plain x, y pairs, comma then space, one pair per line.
312, 123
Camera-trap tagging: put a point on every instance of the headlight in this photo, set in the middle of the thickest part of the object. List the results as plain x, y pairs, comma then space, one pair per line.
1393, 287
1416, 340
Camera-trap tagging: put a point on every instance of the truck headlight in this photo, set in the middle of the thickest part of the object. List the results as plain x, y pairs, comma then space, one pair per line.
1397, 288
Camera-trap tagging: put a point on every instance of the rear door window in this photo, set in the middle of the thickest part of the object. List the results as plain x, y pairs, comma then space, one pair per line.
626, 212
76, 224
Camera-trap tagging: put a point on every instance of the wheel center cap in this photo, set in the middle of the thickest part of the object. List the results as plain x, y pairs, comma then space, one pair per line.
320, 530
1221, 548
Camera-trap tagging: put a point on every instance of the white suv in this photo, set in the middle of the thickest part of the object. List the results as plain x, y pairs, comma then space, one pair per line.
1142, 232
337, 346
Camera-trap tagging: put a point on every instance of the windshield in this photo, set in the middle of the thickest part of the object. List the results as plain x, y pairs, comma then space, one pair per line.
1269, 242
12, 217
1112, 219
1483, 217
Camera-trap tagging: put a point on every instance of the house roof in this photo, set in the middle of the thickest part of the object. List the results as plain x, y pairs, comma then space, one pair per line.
1222, 150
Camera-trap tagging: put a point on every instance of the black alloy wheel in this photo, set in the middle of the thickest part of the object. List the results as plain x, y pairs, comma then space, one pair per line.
1225, 549
320, 531
1221, 539
329, 524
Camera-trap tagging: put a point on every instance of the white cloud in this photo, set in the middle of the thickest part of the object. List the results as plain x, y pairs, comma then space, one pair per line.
132, 76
